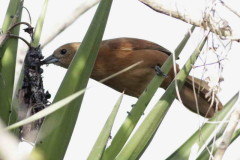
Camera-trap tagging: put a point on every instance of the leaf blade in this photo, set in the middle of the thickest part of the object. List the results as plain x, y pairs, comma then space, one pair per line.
100, 144
144, 134
81, 66
131, 120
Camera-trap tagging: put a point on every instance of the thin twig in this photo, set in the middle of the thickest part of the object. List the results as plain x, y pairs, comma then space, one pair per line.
200, 14
175, 73
29, 15
18, 37
217, 62
233, 11
226, 138
4, 35
17, 24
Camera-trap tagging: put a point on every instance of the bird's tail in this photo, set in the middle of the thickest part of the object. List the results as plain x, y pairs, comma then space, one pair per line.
203, 102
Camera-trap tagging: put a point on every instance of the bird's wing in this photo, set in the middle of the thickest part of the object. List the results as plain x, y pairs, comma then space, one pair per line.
134, 44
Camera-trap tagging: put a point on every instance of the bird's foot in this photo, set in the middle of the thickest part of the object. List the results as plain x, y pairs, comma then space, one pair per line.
159, 71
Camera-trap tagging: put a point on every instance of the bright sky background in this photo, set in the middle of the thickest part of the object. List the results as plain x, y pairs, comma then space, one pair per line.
128, 19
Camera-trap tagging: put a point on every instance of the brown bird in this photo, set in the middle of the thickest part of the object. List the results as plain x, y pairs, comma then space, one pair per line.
116, 54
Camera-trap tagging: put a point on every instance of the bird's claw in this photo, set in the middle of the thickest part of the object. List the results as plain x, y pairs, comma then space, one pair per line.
159, 71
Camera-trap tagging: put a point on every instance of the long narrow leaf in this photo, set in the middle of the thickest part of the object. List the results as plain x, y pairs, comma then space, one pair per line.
11, 12
131, 120
136, 145
236, 135
38, 28
8, 54
54, 145
41, 114
13, 118
227, 109
206, 131
100, 145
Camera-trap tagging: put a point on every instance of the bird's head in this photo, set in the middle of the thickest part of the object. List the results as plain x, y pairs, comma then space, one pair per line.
63, 55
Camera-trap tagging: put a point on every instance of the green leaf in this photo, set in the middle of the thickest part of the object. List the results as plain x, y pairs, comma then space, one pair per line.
227, 109
14, 117
57, 128
144, 134
43, 113
132, 119
39, 25
9, 17
8, 54
200, 137
235, 135
100, 144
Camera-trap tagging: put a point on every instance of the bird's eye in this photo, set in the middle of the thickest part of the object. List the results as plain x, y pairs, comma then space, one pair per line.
63, 51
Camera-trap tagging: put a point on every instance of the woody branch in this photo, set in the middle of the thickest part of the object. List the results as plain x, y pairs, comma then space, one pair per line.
214, 15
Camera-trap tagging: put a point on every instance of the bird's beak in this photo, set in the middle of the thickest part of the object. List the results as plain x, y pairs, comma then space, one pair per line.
50, 59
